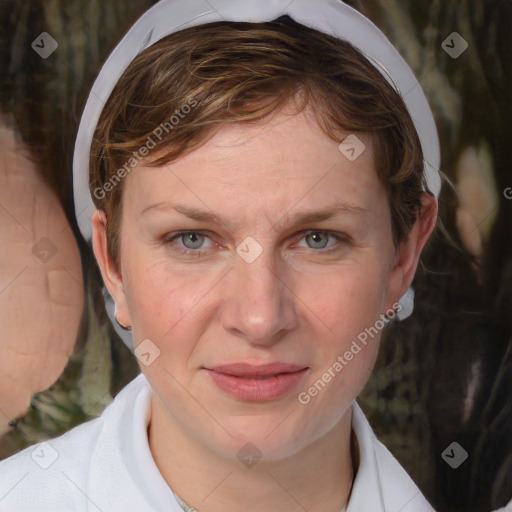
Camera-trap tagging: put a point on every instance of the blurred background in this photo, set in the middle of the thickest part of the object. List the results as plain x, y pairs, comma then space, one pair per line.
443, 375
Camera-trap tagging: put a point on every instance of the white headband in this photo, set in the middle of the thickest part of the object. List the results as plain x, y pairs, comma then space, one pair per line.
332, 17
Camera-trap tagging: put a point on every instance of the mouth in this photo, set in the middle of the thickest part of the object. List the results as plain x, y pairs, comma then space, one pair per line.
257, 382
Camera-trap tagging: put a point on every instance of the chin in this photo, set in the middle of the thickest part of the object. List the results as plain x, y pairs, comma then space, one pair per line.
274, 438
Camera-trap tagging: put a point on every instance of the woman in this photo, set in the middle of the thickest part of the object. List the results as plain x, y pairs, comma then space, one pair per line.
253, 139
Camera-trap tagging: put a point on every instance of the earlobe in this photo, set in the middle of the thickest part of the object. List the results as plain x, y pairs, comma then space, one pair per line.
111, 275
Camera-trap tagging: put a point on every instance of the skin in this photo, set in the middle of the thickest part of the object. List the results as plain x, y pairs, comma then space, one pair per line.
295, 303
41, 294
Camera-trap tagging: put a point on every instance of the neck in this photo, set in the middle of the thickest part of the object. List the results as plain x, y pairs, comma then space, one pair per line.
317, 478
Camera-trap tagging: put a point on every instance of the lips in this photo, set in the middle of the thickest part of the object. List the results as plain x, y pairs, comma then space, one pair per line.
256, 382
248, 371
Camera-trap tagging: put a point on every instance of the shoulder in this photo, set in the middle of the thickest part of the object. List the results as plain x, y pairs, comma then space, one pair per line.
58, 474
506, 508
59, 466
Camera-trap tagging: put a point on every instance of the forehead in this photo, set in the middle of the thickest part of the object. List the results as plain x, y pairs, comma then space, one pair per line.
273, 166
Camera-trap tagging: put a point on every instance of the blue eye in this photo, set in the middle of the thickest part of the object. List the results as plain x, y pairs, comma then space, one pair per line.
316, 237
192, 241
193, 238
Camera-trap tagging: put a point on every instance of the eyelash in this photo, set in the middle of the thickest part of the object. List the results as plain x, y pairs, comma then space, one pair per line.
190, 252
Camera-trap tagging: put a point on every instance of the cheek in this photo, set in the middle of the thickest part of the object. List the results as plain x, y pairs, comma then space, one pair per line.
349, 303
154, 296
349, 299
167, 305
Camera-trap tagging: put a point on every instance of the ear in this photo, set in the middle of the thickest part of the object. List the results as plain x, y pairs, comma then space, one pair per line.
407, 255
112, 277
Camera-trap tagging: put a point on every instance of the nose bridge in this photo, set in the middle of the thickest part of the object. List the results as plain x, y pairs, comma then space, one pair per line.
260, 302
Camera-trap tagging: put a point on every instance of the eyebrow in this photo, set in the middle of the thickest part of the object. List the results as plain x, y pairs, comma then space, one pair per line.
298, 218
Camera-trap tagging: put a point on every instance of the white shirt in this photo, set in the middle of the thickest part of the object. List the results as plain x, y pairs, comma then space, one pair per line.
506, 508
105, 464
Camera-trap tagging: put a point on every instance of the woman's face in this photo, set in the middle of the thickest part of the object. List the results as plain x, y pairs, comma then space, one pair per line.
258, 285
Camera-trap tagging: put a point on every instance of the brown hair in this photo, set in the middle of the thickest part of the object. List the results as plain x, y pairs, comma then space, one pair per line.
181, 90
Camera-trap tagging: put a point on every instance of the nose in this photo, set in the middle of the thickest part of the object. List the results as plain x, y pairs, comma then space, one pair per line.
259, 304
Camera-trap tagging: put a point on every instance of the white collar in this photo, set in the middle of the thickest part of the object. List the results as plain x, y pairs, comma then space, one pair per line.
122, 452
